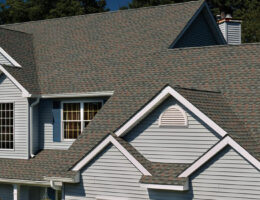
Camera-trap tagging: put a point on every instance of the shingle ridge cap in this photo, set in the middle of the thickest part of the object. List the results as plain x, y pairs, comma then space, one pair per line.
7, 29
103, 13
197, 90
214, 46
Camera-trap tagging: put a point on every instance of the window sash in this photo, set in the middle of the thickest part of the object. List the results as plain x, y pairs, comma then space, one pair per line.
6, 125
82, 117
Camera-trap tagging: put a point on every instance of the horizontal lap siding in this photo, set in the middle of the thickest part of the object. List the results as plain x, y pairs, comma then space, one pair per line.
228, 176
10, 93
6, 192
169, 144
46, 128
111, 174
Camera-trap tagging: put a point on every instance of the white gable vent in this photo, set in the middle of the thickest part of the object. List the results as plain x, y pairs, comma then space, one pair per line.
173, 116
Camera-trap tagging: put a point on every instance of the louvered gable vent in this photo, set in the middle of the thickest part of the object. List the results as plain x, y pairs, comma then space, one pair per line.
173, 116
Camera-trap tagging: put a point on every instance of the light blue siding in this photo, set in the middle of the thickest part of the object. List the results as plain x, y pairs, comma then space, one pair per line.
46, 127
35, 132
110, 174
6, 192
10, 93
169, 144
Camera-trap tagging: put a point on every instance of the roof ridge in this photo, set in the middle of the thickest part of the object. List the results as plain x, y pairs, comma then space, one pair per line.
197, 90
102, 13
214, 46
7, 29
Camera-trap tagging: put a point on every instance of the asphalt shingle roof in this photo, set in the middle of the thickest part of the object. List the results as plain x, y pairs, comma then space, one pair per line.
127, 52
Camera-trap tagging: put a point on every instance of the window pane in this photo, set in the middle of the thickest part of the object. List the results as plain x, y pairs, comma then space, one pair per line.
72, 130
91, 109
6, 126
71, 111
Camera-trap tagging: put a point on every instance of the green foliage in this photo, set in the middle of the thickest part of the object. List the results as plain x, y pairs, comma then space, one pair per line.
246, 10
27, 10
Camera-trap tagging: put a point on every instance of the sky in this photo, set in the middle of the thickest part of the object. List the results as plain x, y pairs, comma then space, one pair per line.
115, 4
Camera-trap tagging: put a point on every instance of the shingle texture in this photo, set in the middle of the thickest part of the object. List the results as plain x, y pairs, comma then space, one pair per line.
127, 52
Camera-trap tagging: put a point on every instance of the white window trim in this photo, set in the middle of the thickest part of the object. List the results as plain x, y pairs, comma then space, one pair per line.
217, 148
183, 113
81, 115
13, 149
101, 146
166, 92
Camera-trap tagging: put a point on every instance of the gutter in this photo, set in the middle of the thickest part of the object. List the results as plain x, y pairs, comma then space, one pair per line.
31, 126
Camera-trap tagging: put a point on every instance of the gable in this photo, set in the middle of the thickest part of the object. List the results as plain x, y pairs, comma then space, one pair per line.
201, 32
109, 174
226, 176
170, 144
8, 88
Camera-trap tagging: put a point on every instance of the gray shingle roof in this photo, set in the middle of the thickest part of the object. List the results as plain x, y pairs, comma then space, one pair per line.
126, 51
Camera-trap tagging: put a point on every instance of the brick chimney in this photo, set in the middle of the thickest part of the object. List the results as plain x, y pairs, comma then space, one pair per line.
230, 28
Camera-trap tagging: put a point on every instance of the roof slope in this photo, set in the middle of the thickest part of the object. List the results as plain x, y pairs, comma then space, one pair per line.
68, 50
19, 45
126, 51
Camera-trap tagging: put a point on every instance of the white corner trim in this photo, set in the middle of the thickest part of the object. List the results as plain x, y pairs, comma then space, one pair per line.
9, 58
214, 150
168, 91
184, 187
25, 93
101, 146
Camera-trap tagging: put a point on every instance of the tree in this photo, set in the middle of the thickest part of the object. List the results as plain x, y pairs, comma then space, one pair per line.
246, 10
27, 10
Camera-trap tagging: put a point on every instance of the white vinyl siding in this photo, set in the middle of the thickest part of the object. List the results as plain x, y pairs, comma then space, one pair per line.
10, 93
171, 144
110, 174
228, 176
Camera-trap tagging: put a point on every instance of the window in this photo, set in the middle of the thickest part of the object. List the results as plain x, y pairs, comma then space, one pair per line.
6, 126
173, 116
76, 116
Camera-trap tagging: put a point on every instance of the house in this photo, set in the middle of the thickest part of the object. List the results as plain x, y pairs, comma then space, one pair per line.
150, 103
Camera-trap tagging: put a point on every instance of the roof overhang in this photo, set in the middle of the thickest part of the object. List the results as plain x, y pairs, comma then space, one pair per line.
217, 148
110, 140
25, 182
165, 93
69, 95
184, 187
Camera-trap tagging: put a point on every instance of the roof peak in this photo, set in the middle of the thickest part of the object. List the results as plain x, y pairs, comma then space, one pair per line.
104, 13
